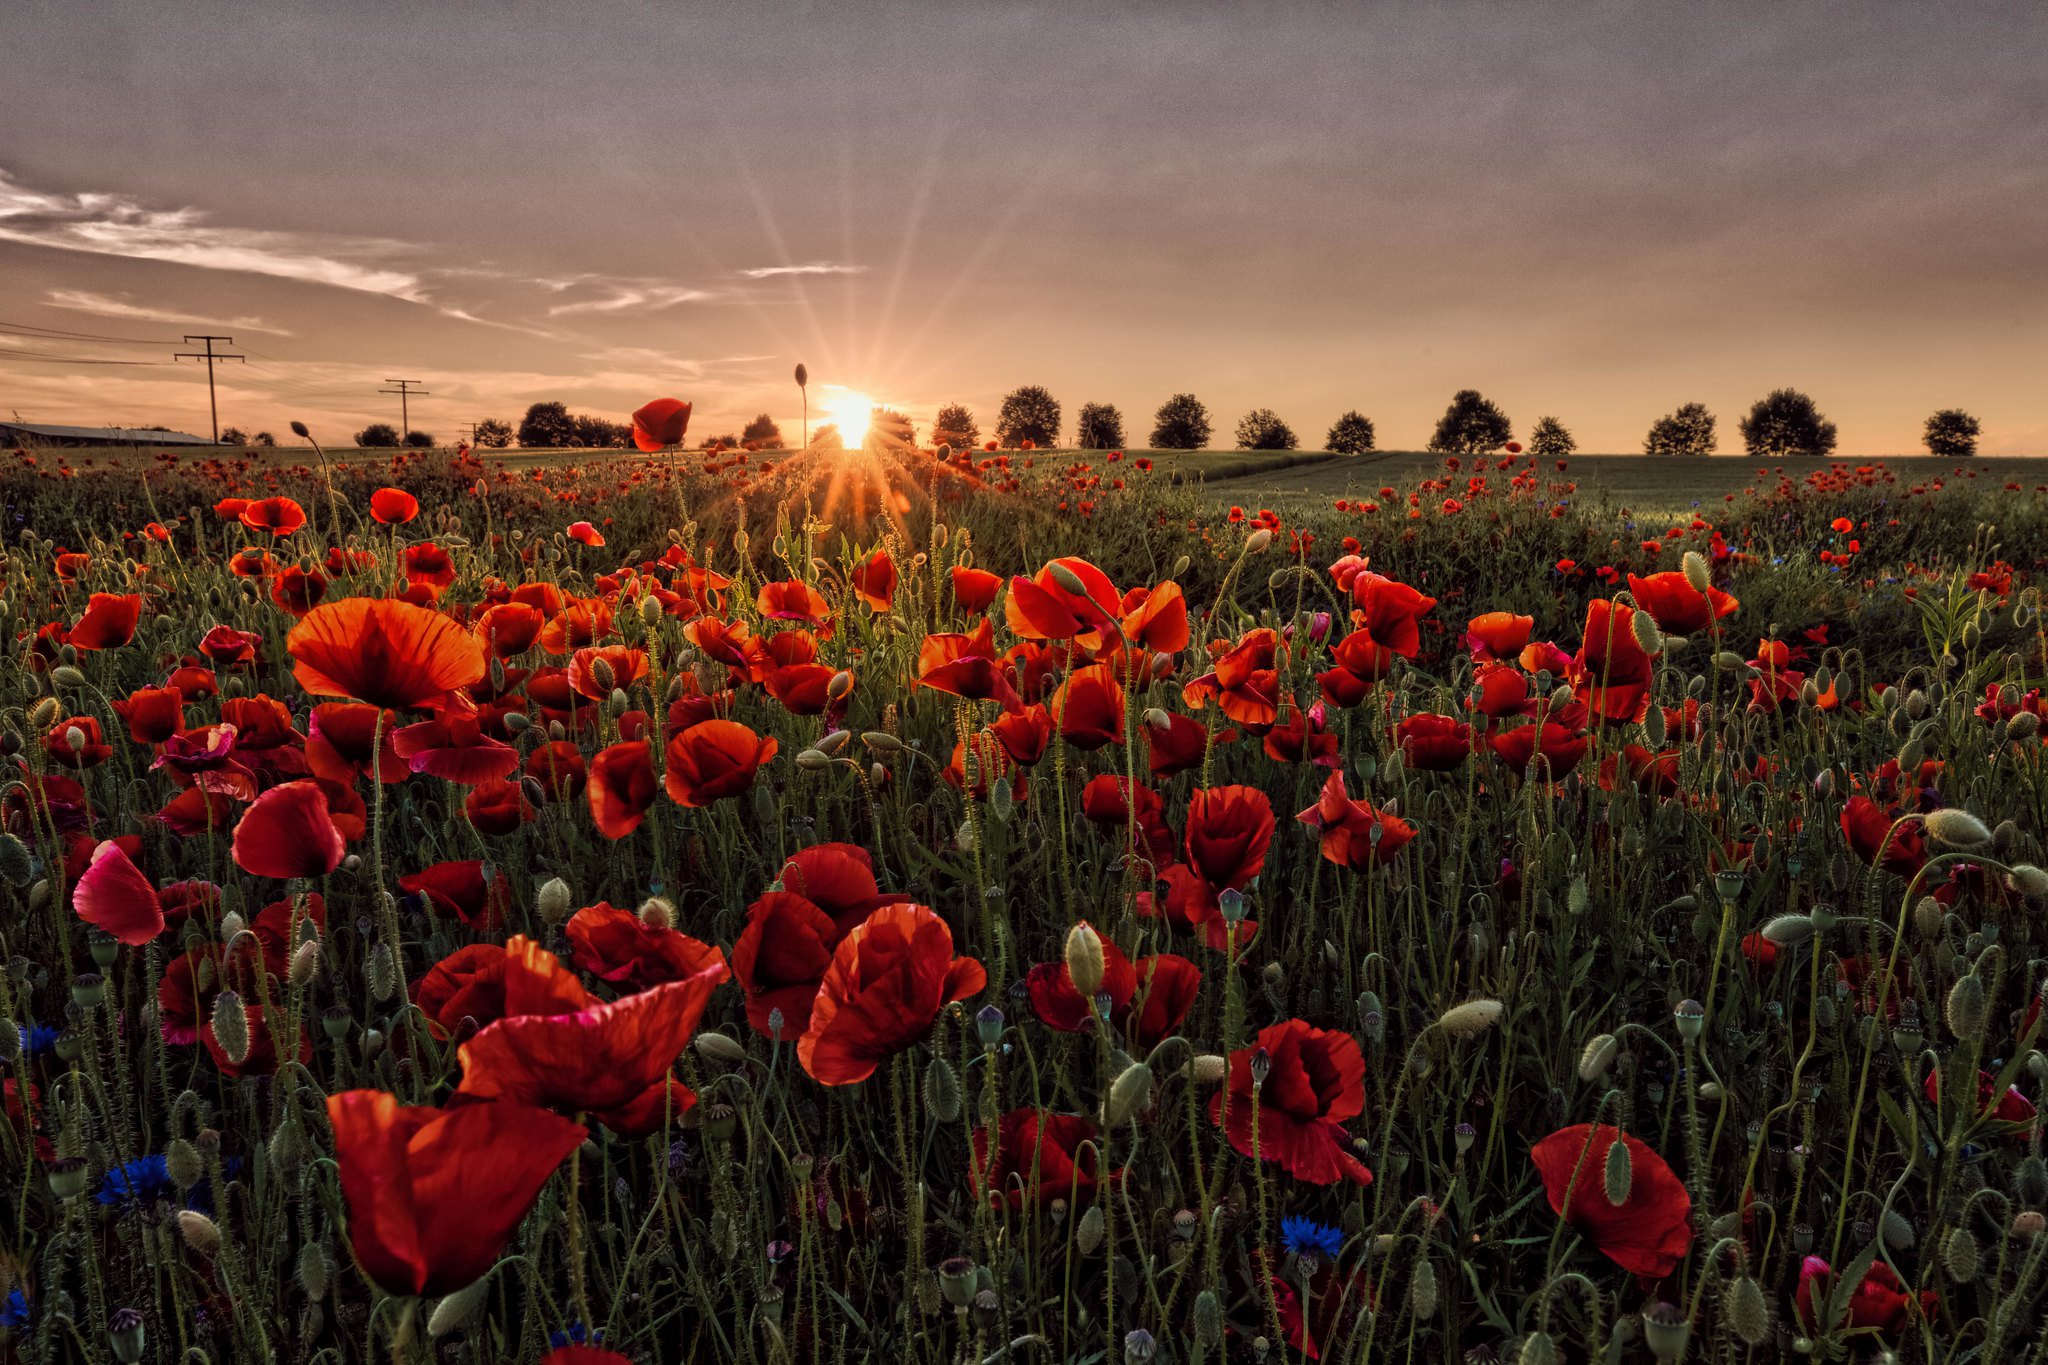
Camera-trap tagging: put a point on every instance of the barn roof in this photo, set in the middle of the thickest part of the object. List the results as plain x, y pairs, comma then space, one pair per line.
124, 435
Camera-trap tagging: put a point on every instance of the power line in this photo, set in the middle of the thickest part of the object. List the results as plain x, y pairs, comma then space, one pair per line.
59, 332
212, 358
405, 393
45, 358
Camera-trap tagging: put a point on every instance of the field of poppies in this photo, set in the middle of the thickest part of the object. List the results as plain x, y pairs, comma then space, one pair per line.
900, 905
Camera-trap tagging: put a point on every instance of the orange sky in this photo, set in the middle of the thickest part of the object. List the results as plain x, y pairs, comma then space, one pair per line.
1595, 211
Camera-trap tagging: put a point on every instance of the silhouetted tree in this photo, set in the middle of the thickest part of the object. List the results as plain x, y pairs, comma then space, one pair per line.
419, 440
264, 439
1351, 434
1549, 440
827, 437
1688, 431
1471, 426
233, 436
378, 435
1029, 414
1786, 423
1099, 427
493, 433
1262, 429
547, 426
1949, 432
954, 426
1181, 423
761, 434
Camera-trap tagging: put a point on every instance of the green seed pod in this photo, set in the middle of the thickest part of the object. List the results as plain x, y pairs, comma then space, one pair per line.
1089, 1232
231, 1027
1966, 1006
942, 1091
1744, 1310
1959, 1256
1129, 1095
1620, 1175
1666, 1332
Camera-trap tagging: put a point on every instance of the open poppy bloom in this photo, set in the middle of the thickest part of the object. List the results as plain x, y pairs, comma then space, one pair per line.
1876, 837
613, 945
1498, 634
1646, 1234
712, 760
888, 981
975, 589
1390, 613
459, 889
510, 628
393, 506
289, 832
583, 533
1044, 608
1089, 706
496, 806
1179, 744
1148, 999
621, 787
1243, 683
1432, 743
109, 621
1881, 1303
279, 516
595, 671
435, 1194
452, 745
1157, 618
1611, 669
1676, 605
660, 424
338, 739
874, 581
114, 896
1038, 1155
966, 666
384, 652
1313, 1080
1355, 834
153, 714
792, 600
1228, 832
297, 591
1560, 747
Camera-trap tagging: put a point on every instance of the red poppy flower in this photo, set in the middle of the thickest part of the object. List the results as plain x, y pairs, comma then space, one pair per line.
393, 506
780, 961
1044, 608
1157, 619
108, 622
583, 533
1243, 682
621, 787
874, 581
712, 760
1179, 744
966, 666
792, 600
279, 516
460, 889
1611, 670
90, 751
453, 746
1868, 828
975, 589
1676, 605
1498, 634
1433, 743
1646, 1234
559, 768
496, 806
888, 981
384, 652
660, 424
1038, 1155
1089, 707
1228, 832
1298, 736
435, 1194
613, 945
622, 666
2011, 1107
338, 739
1314, 1080
1881, 1303
1560, 746
510, 628
598, 1058
115, 896
1355, 834
153, 714
1390, 613
289, 832
1148, 999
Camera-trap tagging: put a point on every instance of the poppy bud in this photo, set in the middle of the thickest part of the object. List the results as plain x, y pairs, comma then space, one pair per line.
74, 738
1788, 931
813, 760
1068, 580
125, 1335
1966, 1007
657, 913
1598, 1056
1422, 1289
17, 866
650, 612
183, 1164
841, 684
201, 1233
299, 430
1085, 963
2028, 1224
1470, 1019
720, 1047
287, 1147
1208, 1069
552, 900
1957, 828
305, 963
1129, 1095
1089, 1232
2025, 725
1537, 1349
231, 1027
66, 676
1257, 541
43, 714
803, 376
881, 742
1620, 1174
942, 1091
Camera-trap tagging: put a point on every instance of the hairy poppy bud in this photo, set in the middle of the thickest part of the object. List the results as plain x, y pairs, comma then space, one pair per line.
1957, 828
1788, 930
1470, 1019
1422, 1289
720, 1047
1743, 1308
1598, 1057
1085, 962
1537, 1349
231, 1027
65, 675
305, 963
1693, 565
1257, 541
841, 684
384, 977
1619, 1177
552, 900
201, 1233
1088, 1234
1129, 1095
658, 913
1647, 636
1209, 1069
942, 1090
1966, 1007
813, 760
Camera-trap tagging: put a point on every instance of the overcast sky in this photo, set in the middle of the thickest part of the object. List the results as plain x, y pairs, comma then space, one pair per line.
1596, 211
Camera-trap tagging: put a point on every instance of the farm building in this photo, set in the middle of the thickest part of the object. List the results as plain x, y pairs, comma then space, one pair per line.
35, 433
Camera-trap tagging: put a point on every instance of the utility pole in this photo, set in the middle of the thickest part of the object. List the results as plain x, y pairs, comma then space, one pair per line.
211, 357
472, 433
405, 390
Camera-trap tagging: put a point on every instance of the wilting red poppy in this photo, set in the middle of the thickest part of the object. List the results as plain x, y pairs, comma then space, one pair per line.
279, 516
1498, 634
621, 787
435, 1194
338, 739
459, 888
874, 581
1611, 669
1355, 834
975, 589
712, 760
966, 666
598, 1058
115, 896
1881, 1303
660, 424
1228, 832
1148, 999
888, 981
289, 832
393, 506
1314, 1080
108, 622
384, 652
1045, 608
1676, 605
614, 945
153, 714
1243, 682
1646, 1234
1039, 1155
1433, 743
792, 600
1089, 707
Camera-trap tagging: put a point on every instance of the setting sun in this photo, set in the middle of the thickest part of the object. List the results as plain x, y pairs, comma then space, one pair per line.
850, 412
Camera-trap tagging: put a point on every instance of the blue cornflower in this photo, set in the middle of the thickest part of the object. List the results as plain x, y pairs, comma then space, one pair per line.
1306, 1237
577, 1335
140, 1181
37, 1039
15, 1313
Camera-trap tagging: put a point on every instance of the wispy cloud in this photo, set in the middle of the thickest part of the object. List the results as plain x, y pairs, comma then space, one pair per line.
762, 272
109, 224
627, 298
101, 305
